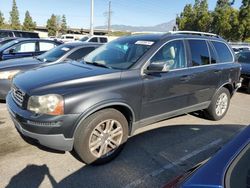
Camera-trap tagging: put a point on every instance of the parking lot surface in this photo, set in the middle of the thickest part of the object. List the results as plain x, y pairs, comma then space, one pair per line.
154, 156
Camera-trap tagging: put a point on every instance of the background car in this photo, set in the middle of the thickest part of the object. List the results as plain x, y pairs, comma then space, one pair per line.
6, 40
70, 51
16, 33
26, 48
95, 38
244, 60
228, 168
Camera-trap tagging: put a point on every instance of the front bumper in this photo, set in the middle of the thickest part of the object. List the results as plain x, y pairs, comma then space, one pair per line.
55, 132
5, 86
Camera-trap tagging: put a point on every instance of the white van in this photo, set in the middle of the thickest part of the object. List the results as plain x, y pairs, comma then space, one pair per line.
95, 38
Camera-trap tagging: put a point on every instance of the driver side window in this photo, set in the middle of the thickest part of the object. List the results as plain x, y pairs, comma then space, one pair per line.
171, 55
25, 47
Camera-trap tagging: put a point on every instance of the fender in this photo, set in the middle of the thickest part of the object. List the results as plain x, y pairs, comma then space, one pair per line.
227, 83
100, 106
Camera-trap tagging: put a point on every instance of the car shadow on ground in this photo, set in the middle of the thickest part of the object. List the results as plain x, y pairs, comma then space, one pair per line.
2, 101
142, 155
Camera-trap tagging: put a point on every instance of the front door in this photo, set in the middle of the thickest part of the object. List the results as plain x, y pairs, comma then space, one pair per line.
166, 92
25, 49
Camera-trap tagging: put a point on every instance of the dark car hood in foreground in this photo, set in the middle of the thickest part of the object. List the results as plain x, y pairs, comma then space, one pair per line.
63, 76
212, 173
245, 68
14, 64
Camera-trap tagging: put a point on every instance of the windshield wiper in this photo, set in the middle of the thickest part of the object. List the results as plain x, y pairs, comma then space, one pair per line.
98, 64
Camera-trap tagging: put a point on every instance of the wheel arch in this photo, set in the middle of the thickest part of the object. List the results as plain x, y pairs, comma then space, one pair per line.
124, 108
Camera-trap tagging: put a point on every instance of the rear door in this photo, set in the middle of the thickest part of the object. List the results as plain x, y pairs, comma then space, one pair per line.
229, 70
205, 72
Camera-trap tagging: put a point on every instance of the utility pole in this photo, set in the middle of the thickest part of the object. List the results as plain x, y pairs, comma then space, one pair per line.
91, 18
109, 18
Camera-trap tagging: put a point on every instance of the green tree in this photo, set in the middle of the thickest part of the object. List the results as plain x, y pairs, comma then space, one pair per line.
28, 24
225, 20
14, 17
64, 25
52, 25
244, 17
1, 20
234, 20
185, 20
203, 18
196, 17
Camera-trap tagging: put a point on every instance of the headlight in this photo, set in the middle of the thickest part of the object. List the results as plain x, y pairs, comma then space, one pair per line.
8, 74
48, 104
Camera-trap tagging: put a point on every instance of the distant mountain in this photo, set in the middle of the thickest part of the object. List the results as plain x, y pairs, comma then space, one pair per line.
168, 26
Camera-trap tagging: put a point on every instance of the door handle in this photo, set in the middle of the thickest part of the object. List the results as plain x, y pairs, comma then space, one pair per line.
186, 78
217, 71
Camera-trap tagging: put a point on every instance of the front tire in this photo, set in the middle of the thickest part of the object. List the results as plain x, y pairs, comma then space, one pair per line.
101, 136
219, 105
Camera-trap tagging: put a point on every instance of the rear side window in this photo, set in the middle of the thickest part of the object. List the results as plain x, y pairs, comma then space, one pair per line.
244, 57
199, 52
45, 46
103, 40
80, 53
4, 34
223, 52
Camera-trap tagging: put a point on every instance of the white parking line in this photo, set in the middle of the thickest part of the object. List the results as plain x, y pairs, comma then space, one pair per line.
169, 166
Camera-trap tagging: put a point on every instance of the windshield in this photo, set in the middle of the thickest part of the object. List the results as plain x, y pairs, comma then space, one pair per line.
84, 39
5, 41
119, 54
55, 53
8, 44
244, 57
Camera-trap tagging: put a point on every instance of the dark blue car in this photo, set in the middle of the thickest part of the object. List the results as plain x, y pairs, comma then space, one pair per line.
22, 47
229, 168
244, 60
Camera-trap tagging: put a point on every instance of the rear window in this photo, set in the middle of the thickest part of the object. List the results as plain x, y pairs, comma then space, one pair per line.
223, 52
103, 40
199, 52
244, 57
94, 39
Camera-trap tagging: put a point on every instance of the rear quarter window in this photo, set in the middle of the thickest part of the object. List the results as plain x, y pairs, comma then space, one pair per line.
223, 52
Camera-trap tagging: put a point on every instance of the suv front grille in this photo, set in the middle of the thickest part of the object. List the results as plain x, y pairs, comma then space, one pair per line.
18, 96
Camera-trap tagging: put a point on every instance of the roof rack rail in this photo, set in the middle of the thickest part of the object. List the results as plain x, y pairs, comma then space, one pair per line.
195, 33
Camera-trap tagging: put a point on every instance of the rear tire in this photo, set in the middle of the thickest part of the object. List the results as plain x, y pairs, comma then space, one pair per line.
101, 136
219, 105
248, 87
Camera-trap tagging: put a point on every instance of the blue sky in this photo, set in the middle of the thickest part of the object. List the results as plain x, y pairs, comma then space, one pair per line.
127, 12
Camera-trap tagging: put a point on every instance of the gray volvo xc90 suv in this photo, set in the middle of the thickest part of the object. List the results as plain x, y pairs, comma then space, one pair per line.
122, 86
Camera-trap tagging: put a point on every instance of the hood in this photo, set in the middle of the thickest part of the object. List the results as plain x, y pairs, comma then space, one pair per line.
62, 76
245, 68
16, 63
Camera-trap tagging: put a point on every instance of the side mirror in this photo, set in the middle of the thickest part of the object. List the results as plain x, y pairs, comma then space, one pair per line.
157, 67
12, 51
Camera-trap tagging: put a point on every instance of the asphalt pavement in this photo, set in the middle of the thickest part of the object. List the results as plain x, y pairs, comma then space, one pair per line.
154, 156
